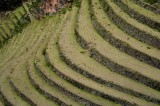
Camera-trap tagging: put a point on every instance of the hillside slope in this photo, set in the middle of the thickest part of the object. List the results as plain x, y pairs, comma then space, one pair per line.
100, 53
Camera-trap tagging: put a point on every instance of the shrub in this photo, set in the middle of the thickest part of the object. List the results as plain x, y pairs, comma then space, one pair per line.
151, 1
6, 5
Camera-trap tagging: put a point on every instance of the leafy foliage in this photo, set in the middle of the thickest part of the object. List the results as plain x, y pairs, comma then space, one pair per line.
9, 4
77, 3
151, 1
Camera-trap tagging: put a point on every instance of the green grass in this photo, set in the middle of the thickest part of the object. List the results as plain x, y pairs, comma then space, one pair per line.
24, 58
75, 57
149, 14
89, 35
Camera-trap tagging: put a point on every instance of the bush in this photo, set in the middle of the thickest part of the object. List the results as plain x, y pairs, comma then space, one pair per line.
151, 1
6, 5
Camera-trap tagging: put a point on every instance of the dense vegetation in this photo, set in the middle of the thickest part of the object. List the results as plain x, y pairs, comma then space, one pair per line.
12, 4
151, 1
9, 4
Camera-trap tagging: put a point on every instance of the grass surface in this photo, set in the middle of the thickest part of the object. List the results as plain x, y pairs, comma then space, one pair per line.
82, 57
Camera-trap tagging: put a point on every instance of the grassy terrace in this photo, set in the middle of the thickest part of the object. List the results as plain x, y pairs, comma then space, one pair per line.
1, 103
124, 42
20, 40
94, 38
128, 27
19, 66
142, 11
133, 22
98, 53
13, 23
147, 6
32, 94
24, 44
142, 15
116, 57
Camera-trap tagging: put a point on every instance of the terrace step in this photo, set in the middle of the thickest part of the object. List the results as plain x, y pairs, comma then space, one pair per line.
76, 79
19, 38
44, 88
70, 62
25, 49
11, 25
49, 92
22, 95
24, 44
52, 54
16, 41
9, 97
8, 87
25, 7
122, 41
142, 15
77, 59
30, 26
128, 26
146, 6
31, 96
8, 70
3, 32
65, 87
6, 30
8, 45
12, 45
12, 21
77, 66
1, 40
70, 53
132, 21
84, 37
68, 89
1, 104
40, 36
116, 59
26, 36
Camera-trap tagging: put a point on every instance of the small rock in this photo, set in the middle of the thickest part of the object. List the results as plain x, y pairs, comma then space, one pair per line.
148, 48
82, 52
